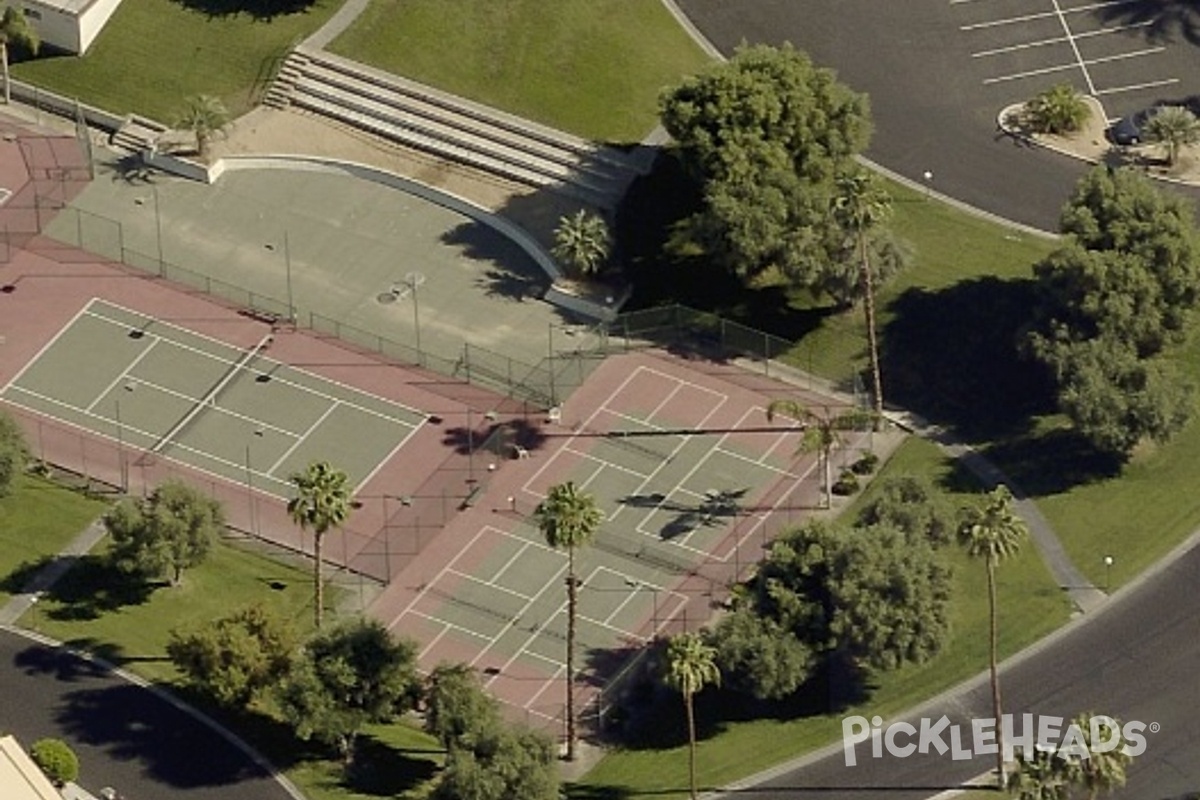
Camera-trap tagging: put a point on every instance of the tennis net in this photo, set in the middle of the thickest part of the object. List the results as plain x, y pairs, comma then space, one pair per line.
210, 400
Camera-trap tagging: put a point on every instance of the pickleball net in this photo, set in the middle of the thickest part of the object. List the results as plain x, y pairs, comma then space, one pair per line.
210, 399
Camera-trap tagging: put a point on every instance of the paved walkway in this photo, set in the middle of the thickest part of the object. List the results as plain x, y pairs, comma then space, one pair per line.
48, 575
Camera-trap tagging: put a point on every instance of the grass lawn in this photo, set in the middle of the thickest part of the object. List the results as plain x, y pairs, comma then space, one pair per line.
591, 67
154, 53
37, 519
1032, 605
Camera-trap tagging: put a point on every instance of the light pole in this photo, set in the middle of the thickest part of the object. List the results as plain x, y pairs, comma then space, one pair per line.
287, 265
250, 486
414, 279
1108, 562
162, 264
122, 462
550, 364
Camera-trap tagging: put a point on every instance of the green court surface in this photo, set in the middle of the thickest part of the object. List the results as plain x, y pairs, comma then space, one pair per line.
159, 390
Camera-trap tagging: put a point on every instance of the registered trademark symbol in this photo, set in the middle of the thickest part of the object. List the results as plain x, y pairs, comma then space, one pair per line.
1155, 727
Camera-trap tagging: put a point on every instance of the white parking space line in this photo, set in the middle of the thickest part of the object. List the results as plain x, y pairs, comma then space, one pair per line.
1016, 48
1033, 73
1087, 76
1134, 87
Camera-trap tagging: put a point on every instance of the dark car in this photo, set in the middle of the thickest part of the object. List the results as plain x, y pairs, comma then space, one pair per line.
1128, 130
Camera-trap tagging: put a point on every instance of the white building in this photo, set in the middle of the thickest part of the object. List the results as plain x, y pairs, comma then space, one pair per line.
69, 25
20, 777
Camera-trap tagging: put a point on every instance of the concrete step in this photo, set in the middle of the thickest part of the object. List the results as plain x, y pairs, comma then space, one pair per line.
468, 130
406, 123
448, 150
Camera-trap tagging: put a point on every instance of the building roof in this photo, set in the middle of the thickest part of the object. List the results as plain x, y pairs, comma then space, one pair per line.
20, 777
72, 7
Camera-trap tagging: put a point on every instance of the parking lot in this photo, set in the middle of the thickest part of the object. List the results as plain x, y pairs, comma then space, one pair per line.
1128, 54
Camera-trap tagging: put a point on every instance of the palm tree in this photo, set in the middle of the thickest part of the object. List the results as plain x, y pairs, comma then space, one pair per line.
1100, 771
206, 117
1174, 127
821, 433
322, 502
1059, 109
1039, 775
15, 28
860, 204
582, 242
568, 518
993, 533
691, 665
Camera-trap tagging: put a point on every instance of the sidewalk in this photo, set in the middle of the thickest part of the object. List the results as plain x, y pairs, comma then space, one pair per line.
49, 574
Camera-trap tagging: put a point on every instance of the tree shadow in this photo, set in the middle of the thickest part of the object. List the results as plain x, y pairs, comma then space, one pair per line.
1160, 21
716, 507
1050, 462
381, 770
94, 586
129, 168
261, 10
508, 271
59, 662
132, 724
952, 356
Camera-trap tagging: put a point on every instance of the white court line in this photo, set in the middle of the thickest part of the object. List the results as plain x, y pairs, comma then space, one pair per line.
1137, 86
438, 577
215, 409
546, 684
525, 545
598, 460
1058, 40
93, 432
123, 375
47, 345
302, 437
682, 381
268, 360
489, 584
538, 629
761, 518
391, 453
433, 642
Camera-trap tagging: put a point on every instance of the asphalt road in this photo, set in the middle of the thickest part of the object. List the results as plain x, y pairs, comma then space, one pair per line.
1134, 659
933, 106
126, 737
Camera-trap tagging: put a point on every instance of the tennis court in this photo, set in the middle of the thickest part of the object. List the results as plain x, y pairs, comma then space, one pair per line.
162, 391
687, 472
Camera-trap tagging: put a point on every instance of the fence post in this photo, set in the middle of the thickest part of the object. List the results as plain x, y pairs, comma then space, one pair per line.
766, 353
467, 360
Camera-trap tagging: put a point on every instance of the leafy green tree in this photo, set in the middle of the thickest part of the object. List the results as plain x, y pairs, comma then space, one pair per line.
56, 759
235, 658
1104, 768
1038, 775
168, 532
911, 503
206, 118
14, 452
993, 533
344, 679
1057, 110
569, 519
15, 29
820, 433
509, 764
582, 243
691, 665
1116, 400
458, 711
834, 589
764, 135
759, 656
841, 276
1175, 128
860, 204
322, 502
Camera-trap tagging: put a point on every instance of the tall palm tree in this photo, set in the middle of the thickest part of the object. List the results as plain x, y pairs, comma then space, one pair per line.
860, 204
1100, 771
582, 242
1039, 775
15, 28
1174, 127
994, 533
691, 665
322, 502
205, 117
569, 518
821, 433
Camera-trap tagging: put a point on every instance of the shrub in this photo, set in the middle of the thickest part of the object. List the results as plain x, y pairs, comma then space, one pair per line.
846, 484
865, 465
1059, 109
56, 759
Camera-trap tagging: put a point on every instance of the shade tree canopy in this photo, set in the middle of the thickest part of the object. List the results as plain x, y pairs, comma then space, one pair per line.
170, 531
